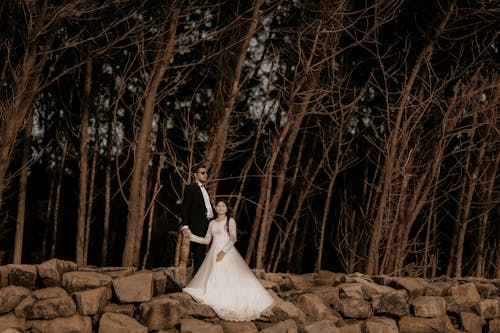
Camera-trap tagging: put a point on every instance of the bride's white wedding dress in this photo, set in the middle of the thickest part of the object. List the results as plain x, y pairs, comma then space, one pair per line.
228, 286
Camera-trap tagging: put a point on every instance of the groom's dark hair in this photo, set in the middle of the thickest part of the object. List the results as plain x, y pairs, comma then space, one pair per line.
196, 168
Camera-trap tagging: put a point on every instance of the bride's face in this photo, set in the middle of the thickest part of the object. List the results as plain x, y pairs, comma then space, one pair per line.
221, 208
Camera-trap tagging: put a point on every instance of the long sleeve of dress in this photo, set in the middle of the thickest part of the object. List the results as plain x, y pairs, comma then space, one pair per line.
232, 236
203, 240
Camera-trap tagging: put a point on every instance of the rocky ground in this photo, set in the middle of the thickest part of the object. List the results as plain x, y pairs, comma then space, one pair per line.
59, 297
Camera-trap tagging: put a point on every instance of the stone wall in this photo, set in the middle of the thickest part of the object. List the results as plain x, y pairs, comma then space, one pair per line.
58, 296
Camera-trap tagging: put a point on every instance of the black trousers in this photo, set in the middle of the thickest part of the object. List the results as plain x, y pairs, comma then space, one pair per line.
198, 252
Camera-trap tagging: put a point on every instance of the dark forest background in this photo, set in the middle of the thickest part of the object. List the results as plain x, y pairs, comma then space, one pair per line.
347, 135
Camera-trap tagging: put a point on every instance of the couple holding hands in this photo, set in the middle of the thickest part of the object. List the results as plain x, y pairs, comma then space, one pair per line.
223, 279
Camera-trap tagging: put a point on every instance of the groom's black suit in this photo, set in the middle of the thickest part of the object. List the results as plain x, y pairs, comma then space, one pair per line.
194, 215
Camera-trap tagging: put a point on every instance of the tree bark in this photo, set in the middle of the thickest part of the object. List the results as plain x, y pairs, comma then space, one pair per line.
90, 204
137, 197
57, 201
82, 193
483, 224
107, 200
151, 213
216, 150
21, 204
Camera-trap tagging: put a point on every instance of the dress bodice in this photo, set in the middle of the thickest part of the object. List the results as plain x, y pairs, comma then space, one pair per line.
223, 237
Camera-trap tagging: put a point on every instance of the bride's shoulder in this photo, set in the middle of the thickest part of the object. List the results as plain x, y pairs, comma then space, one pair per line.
232, 220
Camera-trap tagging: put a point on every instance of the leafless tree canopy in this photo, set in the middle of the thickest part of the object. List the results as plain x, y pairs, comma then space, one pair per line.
347, 135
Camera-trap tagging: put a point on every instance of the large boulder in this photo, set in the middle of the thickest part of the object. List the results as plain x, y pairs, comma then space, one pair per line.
486, 288
83, 280
457, 304
11, 296
425, 325
371, 289
327, 278
239, 327
354, 308
119, 323
328, 294
91, 301
51, 271
286, 326
283, 281
489, 308
467, 290
47, 303
72, 324
494, 326
413, 286
198, 326
188, 307
159, 282
391, 304
428, 306
177, 277
4, 276
471, 322
125, 309
314, 308
161, 313
11, 321
321, 327
284, 310
23, 275
137, 287
351, 290
380, 324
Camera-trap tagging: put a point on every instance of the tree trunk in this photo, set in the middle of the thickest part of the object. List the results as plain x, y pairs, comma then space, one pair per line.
326, 212
82, 194
157, 188
467, 207
107, 207
137, 199
216, 150
483, 228
21, 205
48, 217
57, 201
90, 204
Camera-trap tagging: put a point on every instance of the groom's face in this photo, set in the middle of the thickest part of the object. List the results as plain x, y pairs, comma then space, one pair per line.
201, 175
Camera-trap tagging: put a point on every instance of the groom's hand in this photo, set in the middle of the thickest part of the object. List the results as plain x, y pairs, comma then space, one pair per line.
220, 256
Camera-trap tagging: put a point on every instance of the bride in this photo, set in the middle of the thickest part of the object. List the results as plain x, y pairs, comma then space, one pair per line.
224, 281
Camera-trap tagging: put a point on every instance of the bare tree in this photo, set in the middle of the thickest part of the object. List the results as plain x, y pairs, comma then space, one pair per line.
21, 206
83, 185
215, 151
26, 70
137, 197
394, 149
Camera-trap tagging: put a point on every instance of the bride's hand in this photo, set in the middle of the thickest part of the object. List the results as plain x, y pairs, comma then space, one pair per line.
220, 256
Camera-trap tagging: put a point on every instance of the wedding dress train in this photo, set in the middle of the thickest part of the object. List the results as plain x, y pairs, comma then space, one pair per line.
228, 286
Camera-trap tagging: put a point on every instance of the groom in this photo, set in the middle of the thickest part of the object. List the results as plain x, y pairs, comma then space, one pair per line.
197, 211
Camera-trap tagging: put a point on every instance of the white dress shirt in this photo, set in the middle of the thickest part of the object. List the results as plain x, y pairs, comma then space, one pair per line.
206, 198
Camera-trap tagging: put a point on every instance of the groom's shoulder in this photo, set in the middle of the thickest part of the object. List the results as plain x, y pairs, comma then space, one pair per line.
191, 186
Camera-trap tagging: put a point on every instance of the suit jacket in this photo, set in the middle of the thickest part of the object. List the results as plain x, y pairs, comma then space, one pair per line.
194, 211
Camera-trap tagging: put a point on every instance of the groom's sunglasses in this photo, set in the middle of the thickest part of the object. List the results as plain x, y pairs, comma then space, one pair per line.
203, 173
